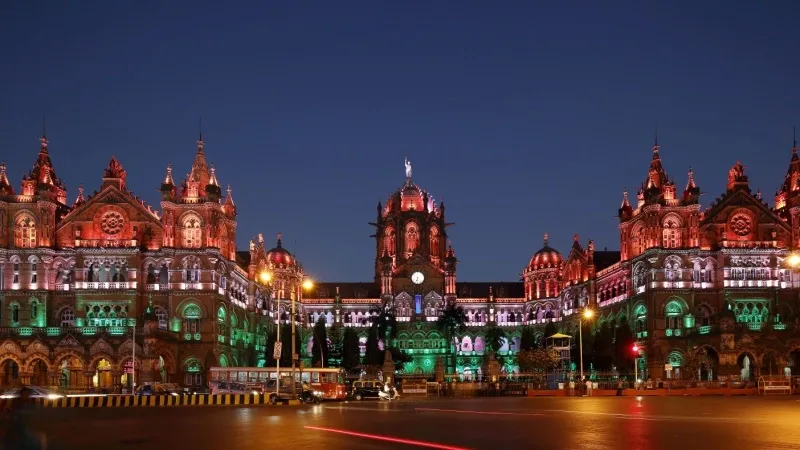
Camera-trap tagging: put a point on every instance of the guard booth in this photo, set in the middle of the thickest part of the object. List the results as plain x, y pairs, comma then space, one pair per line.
561, 343
774, 384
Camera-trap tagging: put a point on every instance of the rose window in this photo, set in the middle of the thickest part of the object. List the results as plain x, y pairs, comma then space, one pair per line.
741, 224
112, 222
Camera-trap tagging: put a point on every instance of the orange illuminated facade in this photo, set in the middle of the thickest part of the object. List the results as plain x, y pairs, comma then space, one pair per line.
78, 278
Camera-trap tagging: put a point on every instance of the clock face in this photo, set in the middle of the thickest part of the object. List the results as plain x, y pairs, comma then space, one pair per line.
417, 277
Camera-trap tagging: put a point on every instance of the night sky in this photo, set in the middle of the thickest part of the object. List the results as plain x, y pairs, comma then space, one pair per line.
525, 119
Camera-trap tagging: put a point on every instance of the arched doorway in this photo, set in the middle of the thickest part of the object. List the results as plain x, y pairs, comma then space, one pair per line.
10, 373
72, 375
39, 373
748, 370
102, 378
770, 365
794, 362
707, 364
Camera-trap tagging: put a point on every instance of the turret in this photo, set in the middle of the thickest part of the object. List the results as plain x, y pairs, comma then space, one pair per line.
168, 190
737, 180
625, 210
5, 186
213, 191
691, 195
114, 175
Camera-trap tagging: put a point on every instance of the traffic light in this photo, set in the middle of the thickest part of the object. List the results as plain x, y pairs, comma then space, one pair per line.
635, 348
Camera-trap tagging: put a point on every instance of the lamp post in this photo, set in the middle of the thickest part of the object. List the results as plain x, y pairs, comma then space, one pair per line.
266, 278
636, 349
587, 314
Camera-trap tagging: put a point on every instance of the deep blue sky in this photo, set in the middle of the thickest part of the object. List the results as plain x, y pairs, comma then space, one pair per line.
524, 118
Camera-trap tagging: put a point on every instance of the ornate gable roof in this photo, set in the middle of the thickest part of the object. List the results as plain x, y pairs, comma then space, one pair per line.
741, 199
110, 194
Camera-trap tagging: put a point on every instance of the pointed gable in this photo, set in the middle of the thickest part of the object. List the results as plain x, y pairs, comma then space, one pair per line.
739, 219
114, 217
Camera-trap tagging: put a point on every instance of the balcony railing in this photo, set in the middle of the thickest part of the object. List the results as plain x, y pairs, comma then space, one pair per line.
105, 285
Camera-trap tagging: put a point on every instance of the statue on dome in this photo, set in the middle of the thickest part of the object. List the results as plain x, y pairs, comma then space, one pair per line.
408, 168
260, 238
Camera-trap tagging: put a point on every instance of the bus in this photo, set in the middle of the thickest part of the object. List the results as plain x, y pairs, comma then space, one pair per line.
329, 381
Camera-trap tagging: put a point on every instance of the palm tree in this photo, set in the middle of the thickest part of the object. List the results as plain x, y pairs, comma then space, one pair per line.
495, 337
385, 323
452, 320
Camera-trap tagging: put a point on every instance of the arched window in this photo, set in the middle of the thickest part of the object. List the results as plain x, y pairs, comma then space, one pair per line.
412, 238
671, 233
639, 275
672, 268
15, 314
192, 231
67, 318
673, 313
434, 242
161, 315
637, 240
25, 232
191, 318
389, 241
703, 316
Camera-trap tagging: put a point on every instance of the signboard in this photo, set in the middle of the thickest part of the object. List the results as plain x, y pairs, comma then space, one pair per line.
276, 353
667, 367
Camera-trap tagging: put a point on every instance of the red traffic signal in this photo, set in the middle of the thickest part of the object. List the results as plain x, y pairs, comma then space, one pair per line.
635, 348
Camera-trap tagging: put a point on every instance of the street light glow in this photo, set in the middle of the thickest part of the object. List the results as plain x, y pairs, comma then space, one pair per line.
266, 277
308, 284
588, 313
793, 260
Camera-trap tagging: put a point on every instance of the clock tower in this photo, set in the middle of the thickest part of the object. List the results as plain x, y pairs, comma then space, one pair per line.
411, 245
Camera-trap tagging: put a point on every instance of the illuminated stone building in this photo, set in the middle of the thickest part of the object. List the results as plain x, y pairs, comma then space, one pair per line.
78, 278
707, 286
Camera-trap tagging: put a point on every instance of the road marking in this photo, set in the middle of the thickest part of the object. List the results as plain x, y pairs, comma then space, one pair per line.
361, 408
388, 439
488, 413
654, 418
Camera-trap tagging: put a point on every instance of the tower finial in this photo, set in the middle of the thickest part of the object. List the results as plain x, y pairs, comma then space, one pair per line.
280, 240
44, 128
655, 140
200, 129
546, 236
794, 140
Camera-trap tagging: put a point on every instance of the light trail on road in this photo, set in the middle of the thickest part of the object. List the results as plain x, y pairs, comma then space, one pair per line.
388, 439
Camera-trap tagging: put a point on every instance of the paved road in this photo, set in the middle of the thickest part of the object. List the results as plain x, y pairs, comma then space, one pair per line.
681, 423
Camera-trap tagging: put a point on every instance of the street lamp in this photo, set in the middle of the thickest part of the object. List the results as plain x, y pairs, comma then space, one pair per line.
587, 314
635, 349
793, 260
266, 278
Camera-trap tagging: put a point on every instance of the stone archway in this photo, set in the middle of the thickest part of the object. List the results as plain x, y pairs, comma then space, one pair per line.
10, 367
747, 366
70, 366
37, 367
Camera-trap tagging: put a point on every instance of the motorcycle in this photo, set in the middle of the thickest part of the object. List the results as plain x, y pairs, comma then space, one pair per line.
391, 394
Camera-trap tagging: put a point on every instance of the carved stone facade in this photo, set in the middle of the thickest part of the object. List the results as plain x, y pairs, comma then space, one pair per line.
706, 292
78, 279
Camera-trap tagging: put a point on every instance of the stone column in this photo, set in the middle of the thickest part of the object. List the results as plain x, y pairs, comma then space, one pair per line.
25, 377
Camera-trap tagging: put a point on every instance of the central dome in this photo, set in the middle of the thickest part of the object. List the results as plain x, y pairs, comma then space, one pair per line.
546, 258
279, 256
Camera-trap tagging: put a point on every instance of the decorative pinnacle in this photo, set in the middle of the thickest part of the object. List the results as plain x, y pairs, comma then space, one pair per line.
280, 241
168, 178
546, 236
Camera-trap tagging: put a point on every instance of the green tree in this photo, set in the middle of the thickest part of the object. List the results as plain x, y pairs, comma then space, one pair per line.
623, 348
494, 337
603, 347
373, 355
351, 351
385, 325
286, 339
319, 346
335, 352
400, 358
452, 320
528, 340
549, 330
538, 361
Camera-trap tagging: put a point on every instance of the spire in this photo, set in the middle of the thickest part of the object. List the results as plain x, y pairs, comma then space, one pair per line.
168, 179
43, 139
5, 186
80, 199
625, 202
690, 184
213, 179
280, 241
575, 238
199, 171
230, 207
794, 141
546, 236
